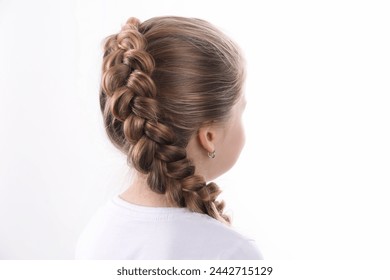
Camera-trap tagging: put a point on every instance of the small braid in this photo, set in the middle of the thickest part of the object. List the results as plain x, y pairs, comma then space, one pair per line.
139, 125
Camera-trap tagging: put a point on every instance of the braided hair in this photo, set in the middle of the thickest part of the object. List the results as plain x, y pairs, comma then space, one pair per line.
161, 81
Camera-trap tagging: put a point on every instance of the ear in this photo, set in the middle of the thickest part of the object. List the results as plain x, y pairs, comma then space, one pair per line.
207, 138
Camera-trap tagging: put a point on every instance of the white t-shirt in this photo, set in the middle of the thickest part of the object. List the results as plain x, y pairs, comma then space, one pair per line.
121, 230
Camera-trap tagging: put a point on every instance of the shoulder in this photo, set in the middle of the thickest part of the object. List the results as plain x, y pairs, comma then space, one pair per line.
124, 231
225, 242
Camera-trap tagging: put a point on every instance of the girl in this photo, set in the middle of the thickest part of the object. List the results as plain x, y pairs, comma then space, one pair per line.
171, 98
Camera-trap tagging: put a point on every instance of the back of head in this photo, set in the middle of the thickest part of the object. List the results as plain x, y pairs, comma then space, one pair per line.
162, 80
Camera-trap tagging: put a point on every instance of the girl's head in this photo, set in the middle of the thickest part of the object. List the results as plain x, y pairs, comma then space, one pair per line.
171, 97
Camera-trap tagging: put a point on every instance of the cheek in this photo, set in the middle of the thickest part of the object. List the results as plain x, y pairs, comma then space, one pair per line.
229, 150
236, 143
240, 138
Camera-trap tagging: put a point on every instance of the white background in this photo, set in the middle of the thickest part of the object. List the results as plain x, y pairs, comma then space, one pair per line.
313, 179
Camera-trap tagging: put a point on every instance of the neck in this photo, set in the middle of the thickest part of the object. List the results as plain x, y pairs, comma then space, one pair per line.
139, 193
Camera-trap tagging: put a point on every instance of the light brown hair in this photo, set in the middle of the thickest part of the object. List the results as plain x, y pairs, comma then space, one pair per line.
162, 80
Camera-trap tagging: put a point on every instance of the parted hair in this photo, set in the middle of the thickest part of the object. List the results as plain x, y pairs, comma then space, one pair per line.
162, 80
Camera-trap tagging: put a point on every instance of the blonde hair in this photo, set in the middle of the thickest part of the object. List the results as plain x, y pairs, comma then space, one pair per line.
161, 81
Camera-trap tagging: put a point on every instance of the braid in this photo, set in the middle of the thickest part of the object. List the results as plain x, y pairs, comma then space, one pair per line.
139, 125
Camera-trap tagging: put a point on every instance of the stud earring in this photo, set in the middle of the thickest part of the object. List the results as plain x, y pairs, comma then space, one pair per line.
211, 155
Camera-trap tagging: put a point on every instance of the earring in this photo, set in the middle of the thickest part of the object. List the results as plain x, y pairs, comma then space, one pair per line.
212, 154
